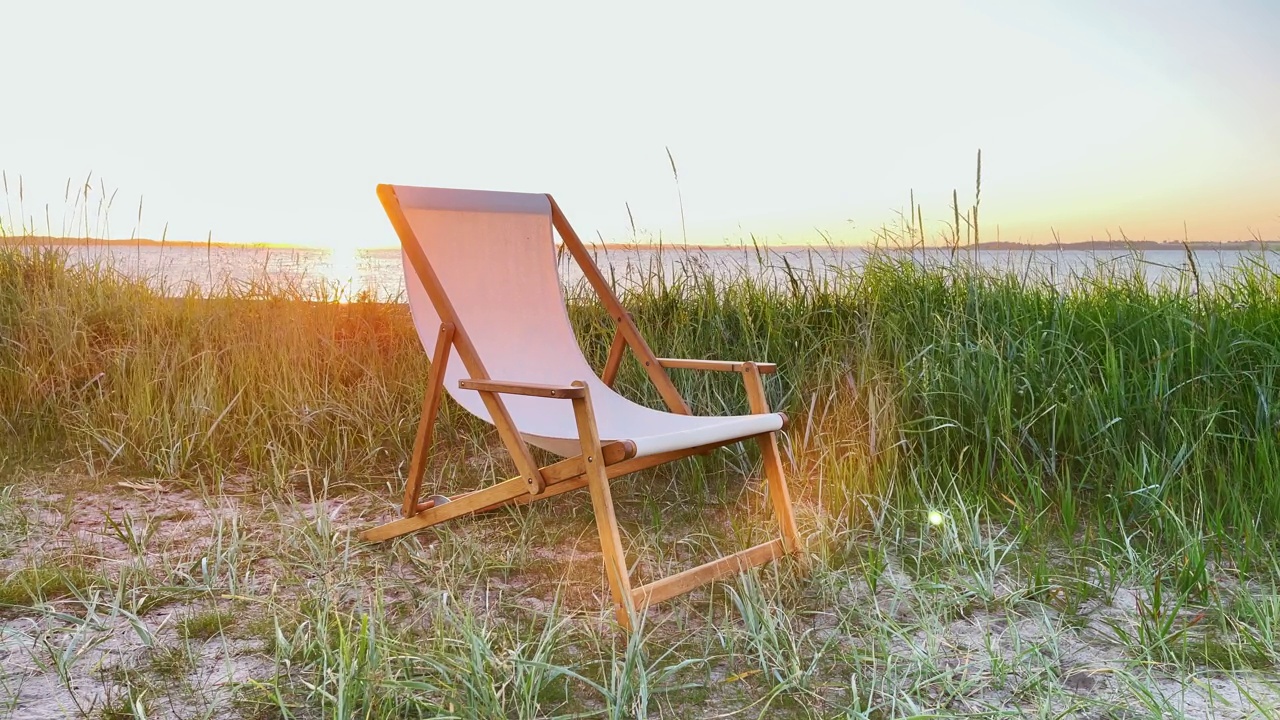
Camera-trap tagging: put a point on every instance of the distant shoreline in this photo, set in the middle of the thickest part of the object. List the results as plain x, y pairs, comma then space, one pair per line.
143, 242
1265, 245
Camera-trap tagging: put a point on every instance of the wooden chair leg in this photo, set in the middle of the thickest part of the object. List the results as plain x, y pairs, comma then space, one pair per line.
426, 425
778, 492
615, 561
772, 460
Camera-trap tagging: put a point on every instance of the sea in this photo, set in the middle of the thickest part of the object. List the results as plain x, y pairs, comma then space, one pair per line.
378, 274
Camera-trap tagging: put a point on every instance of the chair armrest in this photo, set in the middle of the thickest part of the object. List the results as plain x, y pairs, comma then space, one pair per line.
522, 388
720, 365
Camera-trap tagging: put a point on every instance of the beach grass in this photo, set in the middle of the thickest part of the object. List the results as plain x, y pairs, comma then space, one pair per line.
1022, 497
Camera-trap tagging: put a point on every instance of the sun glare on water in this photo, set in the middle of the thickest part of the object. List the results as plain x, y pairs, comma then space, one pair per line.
340, 268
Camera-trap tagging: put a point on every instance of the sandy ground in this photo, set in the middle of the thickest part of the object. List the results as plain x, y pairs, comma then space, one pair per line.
91, 652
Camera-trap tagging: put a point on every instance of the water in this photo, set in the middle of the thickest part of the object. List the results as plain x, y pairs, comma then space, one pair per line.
179, 269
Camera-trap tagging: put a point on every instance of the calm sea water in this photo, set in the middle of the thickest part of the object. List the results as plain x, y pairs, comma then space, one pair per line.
180, 269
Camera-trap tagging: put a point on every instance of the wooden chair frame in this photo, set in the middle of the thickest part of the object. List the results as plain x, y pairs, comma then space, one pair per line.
598, 463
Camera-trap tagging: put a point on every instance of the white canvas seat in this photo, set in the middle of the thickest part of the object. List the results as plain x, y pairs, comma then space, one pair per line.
483, 289
495, 257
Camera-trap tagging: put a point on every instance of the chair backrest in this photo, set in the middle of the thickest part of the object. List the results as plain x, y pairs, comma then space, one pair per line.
494, 256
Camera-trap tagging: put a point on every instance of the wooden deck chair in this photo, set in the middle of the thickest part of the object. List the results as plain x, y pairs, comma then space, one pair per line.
485, 295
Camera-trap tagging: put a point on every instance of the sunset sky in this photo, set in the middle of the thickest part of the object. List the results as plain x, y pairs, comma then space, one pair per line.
273, 122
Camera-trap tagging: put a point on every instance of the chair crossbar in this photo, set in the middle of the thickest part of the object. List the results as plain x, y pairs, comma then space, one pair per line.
682, 582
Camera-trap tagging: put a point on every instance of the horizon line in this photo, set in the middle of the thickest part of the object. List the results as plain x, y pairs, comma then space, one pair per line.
55, 241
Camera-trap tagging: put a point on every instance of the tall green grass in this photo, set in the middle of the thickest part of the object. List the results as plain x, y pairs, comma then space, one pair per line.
1148, 410
1100, 457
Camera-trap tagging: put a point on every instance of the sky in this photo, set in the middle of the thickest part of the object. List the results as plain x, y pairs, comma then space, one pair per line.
790, 122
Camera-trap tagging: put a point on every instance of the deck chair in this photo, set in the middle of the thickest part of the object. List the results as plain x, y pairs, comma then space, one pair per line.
485, 296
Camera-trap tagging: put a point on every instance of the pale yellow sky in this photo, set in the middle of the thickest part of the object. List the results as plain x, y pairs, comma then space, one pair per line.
273, 122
